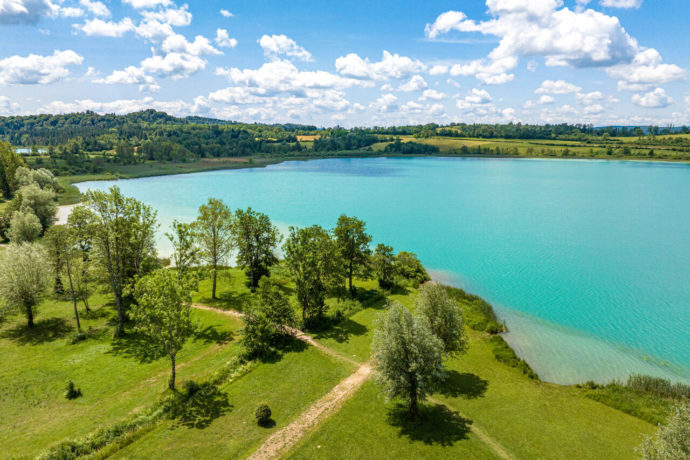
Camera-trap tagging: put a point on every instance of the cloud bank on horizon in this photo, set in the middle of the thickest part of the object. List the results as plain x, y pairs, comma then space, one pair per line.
537, 61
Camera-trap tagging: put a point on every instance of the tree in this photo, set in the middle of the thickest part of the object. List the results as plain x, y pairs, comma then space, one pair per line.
9, 163
163, 312
24, 227
184, 241
123, 231
24, 278
43, 177
214, 229
32, 198
672, 440
353, 245
310, 255
444, 316
63, 252
256, 239
407, 356
55, 241
268, 319
80, 221
383, 263
409, 267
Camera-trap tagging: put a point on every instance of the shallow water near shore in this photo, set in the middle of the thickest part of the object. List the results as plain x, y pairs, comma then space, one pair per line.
588, 262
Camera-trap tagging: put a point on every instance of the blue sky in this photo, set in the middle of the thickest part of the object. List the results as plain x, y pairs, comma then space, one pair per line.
352, 63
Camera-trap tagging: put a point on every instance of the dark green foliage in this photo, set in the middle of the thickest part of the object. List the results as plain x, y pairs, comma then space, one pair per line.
263, 414
647, 407
256, 239
352, 242
191, 388
658, 387
77, 337
383, 265
268, 321
411, 148
72, 392
9, 163
479, 315
504, 354
409, 267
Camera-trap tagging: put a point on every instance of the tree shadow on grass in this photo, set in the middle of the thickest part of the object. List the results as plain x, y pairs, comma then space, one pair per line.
136, 346
436, 424
465, 385
342, 331
45, 330
287, 344
199, 410
230, 300
370, 298
211, 334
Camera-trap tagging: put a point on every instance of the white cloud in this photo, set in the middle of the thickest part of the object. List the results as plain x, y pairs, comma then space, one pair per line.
154, 31
385, 103
621, 3
37, 69
276, 45
438, 69
147, 4
655, 99
177, 43
416, 83
283, 77
546, 100
527, 28
390, 66
8, 107
557, 87
223, 39
71, 12
432, 95
492, 72
25, 11
593, 97
594, 109
95, 7
225, 13
123, 106
476, 97
131, 75
100, 28
645, 72
173, 16
173, 65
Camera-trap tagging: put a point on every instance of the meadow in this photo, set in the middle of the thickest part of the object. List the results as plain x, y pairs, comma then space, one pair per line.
486, 409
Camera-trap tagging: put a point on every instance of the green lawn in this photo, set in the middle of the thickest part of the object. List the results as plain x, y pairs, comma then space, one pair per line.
117, 378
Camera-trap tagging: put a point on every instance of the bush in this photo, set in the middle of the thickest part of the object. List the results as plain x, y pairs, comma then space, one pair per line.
263, 414
72, 392
77, 337
504, 354
658, 386
479, 315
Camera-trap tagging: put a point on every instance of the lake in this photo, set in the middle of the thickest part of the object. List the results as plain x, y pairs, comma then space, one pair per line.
588, 262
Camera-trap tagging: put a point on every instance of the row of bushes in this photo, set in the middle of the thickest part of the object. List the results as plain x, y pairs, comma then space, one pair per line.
504, 354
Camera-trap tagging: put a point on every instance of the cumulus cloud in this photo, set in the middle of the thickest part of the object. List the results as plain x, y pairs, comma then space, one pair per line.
594, 109
438, 69
594, 97
36, 69
621, 3
101, 28
557, 87
654, 100
275, 46
225, 13
124, 106
177, 43
223, 39
173, 16
390, 66
546, 100
526, 28
416, 83
430, 94
385, 103
131, 75
147, 4
173, 65
645, 72
7, 107
489, 72
26, 11
95, 7
476, 97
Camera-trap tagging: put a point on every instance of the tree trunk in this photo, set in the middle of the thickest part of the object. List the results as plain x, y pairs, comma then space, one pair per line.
30, 315
413, 400
74, 298
352, 289
172, 376
120, 316
215, 275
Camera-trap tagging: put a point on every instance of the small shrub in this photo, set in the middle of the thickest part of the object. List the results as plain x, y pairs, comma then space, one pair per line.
72, 392
78, 337
263, 414
658, 386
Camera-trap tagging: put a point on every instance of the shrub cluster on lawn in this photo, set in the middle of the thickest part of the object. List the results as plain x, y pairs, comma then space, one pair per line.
503, 353
479, 314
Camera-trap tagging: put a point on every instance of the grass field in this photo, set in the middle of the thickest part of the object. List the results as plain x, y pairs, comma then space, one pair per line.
120, 378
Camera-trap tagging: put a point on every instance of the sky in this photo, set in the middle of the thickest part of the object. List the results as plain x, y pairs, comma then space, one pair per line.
354, 63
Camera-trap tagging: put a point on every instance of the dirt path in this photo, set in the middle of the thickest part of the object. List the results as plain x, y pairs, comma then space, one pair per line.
285, 438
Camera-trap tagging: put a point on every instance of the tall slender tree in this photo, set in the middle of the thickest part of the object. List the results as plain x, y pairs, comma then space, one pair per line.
183, 238
61, 245
256, 240
214, 227
353, 245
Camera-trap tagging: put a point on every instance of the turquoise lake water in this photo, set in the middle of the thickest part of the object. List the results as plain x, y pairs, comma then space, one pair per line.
588, 262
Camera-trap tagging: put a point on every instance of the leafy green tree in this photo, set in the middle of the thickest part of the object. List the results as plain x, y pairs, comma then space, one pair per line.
123, 232
43, 177
163, 312
672, 440
183, 238
407, 356
310, 255
24, 227
256, 240
409, 267
353, 245
61, 245
444, 316
9, 163
25, 277
383, 264
80, 221
273, 300
214, 229
32, 198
